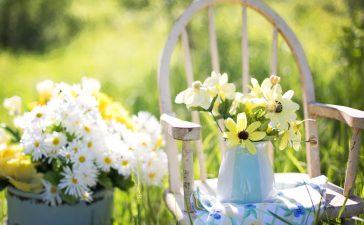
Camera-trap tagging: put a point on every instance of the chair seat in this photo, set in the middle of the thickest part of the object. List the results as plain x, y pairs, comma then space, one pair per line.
334, 198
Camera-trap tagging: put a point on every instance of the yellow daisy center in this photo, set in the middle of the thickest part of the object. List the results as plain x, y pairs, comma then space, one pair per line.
74, 180
82, 159
36, 144
89, 144
54, 189
39, 115
107, 160
55, 141
125, 162
152, 175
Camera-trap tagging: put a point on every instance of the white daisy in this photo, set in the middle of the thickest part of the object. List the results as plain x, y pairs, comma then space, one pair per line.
71, 184
13, 105
90, 86
51, 194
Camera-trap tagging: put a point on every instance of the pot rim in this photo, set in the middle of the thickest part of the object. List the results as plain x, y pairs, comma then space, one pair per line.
37, 196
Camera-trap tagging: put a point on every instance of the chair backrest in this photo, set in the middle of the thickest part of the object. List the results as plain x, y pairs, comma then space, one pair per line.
279, 27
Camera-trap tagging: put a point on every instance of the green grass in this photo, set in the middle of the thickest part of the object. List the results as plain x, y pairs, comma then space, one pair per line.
121, 47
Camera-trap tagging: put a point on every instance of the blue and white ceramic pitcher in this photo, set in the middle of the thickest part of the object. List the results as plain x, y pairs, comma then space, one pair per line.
245, 178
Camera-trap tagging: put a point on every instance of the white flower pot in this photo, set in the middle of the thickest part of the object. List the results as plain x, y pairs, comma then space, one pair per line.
245, 178
29, 209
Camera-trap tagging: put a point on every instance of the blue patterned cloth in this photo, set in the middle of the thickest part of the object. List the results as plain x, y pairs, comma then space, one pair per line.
298, 205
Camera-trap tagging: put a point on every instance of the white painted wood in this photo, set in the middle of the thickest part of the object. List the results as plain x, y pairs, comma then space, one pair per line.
179, 129
274, 61
199, 149
245, 49
188, 180
352, 117
353, 161
213, 41
187, 57
174, 176
195, 114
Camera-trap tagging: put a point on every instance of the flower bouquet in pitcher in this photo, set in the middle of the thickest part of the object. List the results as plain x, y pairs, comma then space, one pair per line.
251, 121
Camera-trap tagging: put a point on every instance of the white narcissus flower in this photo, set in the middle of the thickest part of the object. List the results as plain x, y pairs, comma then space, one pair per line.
217, 84
196, 96
51, 194
281, 109
13, 105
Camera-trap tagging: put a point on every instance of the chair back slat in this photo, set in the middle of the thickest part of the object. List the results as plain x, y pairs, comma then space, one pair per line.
213, 41
215, 62
274, 61
245, 49
195, 115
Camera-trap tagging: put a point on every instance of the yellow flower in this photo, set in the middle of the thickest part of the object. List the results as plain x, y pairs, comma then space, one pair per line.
292, 136
18, 169
240, 133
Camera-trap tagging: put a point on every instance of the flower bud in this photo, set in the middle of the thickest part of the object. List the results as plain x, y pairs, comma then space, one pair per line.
274, 79
197, 85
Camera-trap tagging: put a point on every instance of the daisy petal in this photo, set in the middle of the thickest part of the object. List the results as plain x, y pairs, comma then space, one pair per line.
252, 127
241, 123
257, 136
230, 125
250, 147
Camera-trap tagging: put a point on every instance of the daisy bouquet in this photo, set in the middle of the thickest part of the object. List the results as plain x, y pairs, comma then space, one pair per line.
76, 140
263, 114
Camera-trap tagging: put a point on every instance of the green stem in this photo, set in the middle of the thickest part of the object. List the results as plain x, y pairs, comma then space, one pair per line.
217, 123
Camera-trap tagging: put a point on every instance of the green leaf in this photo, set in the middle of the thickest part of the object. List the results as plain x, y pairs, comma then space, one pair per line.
105, 181
14, 133
68, 198
53, 177
119, 181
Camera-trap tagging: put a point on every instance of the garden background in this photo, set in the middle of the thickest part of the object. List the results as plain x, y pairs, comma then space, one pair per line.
119, 42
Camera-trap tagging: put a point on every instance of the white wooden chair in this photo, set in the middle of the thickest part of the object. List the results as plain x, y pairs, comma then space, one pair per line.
177, 196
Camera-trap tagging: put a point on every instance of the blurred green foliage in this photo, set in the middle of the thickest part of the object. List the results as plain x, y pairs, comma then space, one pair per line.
120, 42
36, 24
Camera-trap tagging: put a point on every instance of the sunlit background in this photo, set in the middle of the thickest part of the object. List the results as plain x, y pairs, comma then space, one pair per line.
119, 42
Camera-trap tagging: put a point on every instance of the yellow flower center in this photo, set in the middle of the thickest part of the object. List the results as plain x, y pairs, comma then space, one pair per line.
55, 141
87, 129
107, 160
243, 135
54, 189
89, 144
36, 144
74, 180
144, 144
152, 175
125, 162
75, 149
82, 159
39, 115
